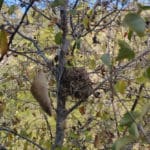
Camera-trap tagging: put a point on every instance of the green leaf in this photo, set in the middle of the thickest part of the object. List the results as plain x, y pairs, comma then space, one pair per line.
90, 12
12, 9
58, 38
78, 43
73, 12
133, 130
130, 35
145, 7
25, 147
122, 142
145, 110
128, 117
135, 23
57, 3
106, 59
142, 7
121, 86
142, 79
1, 94
147, 73
47, 144
92, 63
125, 51
23, 132
1, 4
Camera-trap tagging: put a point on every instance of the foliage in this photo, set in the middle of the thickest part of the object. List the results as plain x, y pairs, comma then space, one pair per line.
96, 59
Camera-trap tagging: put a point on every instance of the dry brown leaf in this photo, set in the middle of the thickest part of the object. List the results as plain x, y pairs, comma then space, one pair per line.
82, 110
3, 43
96, 141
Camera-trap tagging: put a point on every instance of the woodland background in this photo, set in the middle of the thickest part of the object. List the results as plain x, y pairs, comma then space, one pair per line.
96, 58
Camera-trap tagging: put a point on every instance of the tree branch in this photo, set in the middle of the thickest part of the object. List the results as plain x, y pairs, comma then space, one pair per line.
137, 97
74, 107
21, 21
61, 104
48, 127
21, 136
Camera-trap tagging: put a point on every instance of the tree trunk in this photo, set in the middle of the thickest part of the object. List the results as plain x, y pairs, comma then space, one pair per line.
61, 106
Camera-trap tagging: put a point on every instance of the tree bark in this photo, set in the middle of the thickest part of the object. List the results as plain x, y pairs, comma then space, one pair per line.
61, 105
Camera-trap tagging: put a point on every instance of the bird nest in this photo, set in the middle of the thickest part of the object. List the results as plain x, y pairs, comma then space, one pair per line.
76, 83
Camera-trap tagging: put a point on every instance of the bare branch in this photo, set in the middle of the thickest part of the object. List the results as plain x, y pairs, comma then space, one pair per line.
21, 21
74, 107
137, 97
21, 136
48, 127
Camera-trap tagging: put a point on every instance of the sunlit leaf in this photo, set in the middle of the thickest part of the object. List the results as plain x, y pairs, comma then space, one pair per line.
53, 21
58, 38
3, 42
135, 23
129, 118
86, 22
125, 51
106, 59
89, 12
133, 130
122, 142
121, 86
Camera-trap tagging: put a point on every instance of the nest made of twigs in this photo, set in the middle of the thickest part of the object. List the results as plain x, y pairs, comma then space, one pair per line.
76, 83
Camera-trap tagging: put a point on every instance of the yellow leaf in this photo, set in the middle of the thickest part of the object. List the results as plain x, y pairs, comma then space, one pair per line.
86, 22
3, 42
92, 62
121, 86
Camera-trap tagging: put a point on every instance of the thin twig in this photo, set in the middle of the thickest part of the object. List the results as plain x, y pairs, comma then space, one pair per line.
34, 60
49, 128
20, 23
74, 107
21, 136
39, 51
112, 94
130, 63
137, 97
